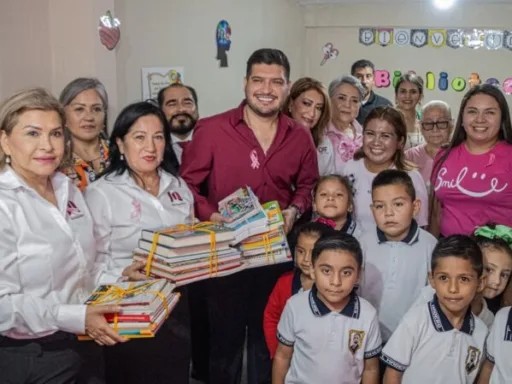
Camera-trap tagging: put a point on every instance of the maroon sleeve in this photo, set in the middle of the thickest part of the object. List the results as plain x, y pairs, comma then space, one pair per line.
196, 166
307, 176
275, 305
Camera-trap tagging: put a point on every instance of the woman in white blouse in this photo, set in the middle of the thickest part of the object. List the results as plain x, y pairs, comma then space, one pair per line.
140, 189
46, 251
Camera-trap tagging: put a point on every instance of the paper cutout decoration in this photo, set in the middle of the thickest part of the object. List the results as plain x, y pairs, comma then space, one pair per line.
474, 38
507, 86
493, 39
223, 38
454, 38
419, 37
493, 81
507, 39
367, 36
437, 38
385, 36
156, 78
474, 79
402, 37
109, 31
330, 53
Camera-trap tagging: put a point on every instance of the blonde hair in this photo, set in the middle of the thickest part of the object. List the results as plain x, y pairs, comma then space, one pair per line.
27, 100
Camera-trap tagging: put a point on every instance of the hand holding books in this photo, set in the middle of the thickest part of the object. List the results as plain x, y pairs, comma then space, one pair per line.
216, 217
135, 271
97, 327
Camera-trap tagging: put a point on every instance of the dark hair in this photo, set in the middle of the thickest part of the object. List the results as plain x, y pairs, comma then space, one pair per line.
124, 122
161, 93
305, 84
462, 247
338, 242
395, 118
394, 177
495, 243
268, 56
459, 134
315, 229
410, 78
343, 180
363, 63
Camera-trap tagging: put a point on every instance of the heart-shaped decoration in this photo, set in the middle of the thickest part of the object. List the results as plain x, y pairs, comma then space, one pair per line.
109, 31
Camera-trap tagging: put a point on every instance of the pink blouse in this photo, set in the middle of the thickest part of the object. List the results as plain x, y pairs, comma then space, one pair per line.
344, 145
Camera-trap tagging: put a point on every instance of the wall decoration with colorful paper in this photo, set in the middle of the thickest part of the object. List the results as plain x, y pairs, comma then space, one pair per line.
109, 31
223, 39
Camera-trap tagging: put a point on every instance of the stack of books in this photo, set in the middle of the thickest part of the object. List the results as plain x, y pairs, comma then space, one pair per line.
185, 254
145, 306
270, 247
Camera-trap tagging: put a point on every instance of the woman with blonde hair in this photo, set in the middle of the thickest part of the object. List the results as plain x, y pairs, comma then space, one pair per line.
308, 104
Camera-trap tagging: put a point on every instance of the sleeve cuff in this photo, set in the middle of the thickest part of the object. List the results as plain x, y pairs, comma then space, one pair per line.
393, 363
71, 318
284, 341
373, 353
489, 357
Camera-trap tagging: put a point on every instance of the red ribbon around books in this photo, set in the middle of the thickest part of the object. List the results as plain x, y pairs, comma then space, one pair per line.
213, 259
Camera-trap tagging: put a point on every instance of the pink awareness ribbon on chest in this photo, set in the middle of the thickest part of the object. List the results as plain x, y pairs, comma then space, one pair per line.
255, 164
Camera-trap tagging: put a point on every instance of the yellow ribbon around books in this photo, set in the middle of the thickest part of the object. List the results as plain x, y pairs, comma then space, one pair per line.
201, 227
269, 252
115, 295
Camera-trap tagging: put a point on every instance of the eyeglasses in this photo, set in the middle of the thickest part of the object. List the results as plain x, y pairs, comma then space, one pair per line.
429, 125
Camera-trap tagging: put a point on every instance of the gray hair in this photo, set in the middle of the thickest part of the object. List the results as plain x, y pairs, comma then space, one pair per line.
77, 86
439, 104
351, 80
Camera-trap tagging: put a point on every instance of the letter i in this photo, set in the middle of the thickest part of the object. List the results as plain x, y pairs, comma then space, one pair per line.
443, 81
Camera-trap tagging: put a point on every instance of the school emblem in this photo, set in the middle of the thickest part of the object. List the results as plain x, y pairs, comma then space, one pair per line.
472, 359
355, 340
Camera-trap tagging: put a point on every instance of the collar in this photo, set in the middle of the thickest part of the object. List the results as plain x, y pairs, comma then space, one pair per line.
371, 99
237, 117
358, 128
176, 139
350, 225
441, 322
352, 309
411, 238
9, 179
296, 284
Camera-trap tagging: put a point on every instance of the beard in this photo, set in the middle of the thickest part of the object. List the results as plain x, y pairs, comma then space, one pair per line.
263, 113
180, 126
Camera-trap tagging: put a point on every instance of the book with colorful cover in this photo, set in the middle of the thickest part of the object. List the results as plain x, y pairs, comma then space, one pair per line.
274, 215
174, 237
243, 208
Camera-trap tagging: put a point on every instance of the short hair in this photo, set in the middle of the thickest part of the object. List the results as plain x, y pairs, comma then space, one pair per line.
268, 56
437, 104
314, 228
124, 122
343, 180
80, 84
305, 84
394, 177
410, 78
29, 100
350, 80
363, 63
161, 93
338, 242
459, 246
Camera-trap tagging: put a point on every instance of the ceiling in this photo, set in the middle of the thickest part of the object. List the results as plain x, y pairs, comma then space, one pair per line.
324, 2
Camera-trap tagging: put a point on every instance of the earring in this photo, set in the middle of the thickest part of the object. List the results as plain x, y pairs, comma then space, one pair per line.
122, 157
8, 159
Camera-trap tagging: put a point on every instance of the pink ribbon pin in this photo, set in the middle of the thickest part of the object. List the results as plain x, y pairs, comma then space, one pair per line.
255, 164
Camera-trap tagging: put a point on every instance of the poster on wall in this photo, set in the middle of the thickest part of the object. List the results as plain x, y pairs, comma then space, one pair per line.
156, 78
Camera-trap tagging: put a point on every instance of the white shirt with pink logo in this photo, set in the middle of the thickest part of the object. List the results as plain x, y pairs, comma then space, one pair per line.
325, 153
474, 189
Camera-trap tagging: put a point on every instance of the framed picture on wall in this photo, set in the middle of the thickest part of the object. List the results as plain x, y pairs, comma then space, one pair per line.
156, 78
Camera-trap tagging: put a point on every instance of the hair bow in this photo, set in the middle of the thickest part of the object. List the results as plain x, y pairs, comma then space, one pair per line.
328, 222
499, 231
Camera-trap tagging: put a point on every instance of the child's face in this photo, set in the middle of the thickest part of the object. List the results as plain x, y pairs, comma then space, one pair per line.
335, 274
332, 200
393, 210
498, 266
303, 249
456, 283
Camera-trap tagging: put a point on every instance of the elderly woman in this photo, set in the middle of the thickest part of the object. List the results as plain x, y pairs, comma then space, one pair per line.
308, 104
141, 189
436, 127
47, 251
408, 94
86, 103
345, 133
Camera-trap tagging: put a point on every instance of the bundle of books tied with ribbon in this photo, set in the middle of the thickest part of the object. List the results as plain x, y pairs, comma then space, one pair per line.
187, 253
145, 306
259, 229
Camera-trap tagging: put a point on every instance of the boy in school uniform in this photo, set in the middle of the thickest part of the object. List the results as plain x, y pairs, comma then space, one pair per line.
397, 253
442, 341
328, 334
497, 368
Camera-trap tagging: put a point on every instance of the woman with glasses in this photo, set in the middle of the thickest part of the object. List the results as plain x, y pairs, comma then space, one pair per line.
436, 126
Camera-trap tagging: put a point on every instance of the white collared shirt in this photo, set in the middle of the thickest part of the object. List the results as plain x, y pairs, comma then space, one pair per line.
176, 146
121, 210
325, 154
499, 347
46, 255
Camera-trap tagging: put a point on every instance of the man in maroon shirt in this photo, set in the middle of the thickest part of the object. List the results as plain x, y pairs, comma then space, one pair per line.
255, 145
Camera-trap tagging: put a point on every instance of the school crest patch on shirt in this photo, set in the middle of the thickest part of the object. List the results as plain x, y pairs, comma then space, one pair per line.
72, 211
355, 340
472, 359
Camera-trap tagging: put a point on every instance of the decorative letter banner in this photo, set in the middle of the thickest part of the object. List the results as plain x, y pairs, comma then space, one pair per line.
492, 39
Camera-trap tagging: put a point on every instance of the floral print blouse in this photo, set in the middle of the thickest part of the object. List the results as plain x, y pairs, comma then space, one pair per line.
344, 145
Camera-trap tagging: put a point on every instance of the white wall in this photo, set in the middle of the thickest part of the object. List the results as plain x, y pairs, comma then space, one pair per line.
160, 33
340, 25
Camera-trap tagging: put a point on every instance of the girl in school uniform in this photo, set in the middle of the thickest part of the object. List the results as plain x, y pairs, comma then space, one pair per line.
141, 189
47, 253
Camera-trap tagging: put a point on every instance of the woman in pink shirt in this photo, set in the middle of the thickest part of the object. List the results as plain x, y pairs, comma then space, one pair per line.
436, 126
472, 177
345, 133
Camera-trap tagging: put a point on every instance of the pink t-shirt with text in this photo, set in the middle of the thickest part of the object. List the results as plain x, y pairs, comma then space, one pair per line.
474, 189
